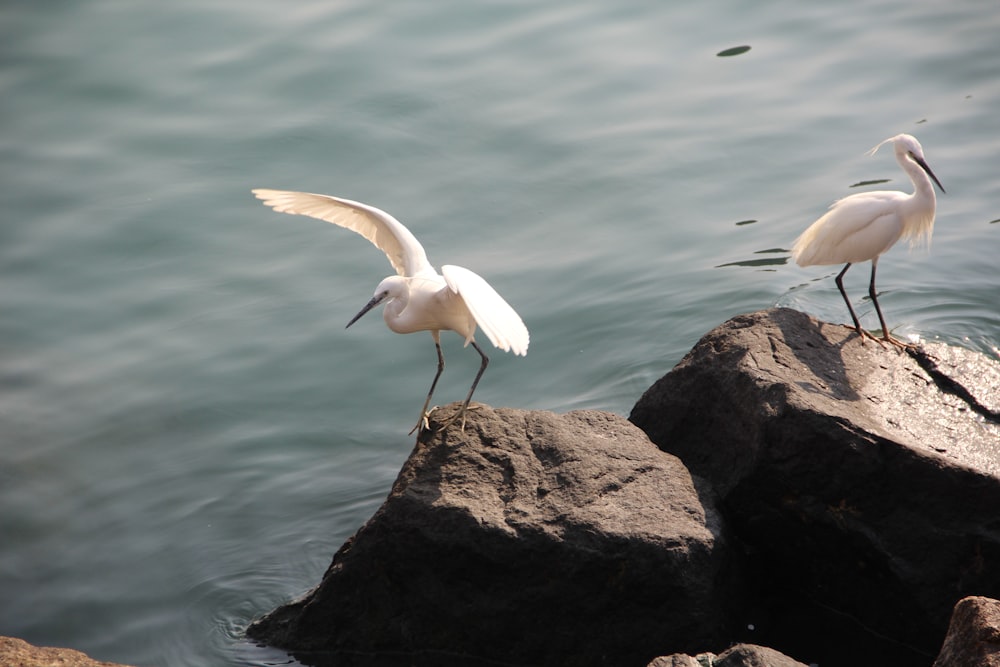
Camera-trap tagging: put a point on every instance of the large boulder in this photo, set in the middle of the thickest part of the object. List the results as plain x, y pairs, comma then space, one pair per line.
861, 482
529, 538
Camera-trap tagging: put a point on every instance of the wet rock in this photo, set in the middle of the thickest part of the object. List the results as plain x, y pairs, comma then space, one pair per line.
19, 653
531, 538
863, 483
973, 635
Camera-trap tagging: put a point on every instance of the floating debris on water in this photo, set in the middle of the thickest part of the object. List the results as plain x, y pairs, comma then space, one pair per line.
734, 51
769, 261
766, 261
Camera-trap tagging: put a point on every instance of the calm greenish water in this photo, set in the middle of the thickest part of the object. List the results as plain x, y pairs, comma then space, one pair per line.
187, 432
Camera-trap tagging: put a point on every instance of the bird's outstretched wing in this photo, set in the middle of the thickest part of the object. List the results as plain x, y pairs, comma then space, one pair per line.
389, 235
501, 324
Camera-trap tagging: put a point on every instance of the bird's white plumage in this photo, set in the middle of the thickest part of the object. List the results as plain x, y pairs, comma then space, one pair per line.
493, 314
418, 298
853, 230
389, 235
863, 226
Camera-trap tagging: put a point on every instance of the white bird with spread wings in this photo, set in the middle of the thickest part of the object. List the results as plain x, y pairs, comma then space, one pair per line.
418, 298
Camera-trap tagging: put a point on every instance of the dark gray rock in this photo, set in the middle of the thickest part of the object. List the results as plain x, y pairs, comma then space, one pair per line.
531, 538
973, 635
863, 483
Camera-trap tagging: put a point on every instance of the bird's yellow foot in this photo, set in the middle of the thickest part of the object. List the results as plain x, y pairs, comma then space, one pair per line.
871, 336
460, 413
863, 334
892, 340
451, 420
885, 338
423, 423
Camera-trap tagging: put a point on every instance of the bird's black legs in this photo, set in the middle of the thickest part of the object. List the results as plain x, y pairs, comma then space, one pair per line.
465, 405
874, 298
850, 308
422, 422
857, 323
886, 336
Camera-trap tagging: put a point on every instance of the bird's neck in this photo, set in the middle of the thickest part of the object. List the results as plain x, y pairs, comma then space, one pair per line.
392, 311
920, 206
407, 312
922, 186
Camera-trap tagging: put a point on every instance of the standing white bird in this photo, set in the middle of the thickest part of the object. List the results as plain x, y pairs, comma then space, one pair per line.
418, 298
865, 225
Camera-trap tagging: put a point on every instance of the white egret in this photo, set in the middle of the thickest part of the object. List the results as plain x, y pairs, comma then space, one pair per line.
418, 298
863, 226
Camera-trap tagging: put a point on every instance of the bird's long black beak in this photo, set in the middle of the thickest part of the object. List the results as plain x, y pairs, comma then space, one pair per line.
376, 300
923, 165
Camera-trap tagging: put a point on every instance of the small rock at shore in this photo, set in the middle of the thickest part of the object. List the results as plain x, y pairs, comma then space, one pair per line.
740, 655
973, 635
19, 653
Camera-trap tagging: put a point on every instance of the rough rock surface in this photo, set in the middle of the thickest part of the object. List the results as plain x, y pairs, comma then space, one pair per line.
740, 655
19, 653
676, 660
751, 655
863, 483
973, 635
529, 539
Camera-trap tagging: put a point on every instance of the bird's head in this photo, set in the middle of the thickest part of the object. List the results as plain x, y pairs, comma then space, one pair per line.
389, 288
907, 147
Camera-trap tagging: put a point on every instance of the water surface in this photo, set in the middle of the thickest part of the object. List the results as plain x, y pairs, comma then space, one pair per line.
187, 432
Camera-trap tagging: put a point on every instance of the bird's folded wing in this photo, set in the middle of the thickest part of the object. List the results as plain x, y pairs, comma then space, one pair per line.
855, 229
389, 235
501, 324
